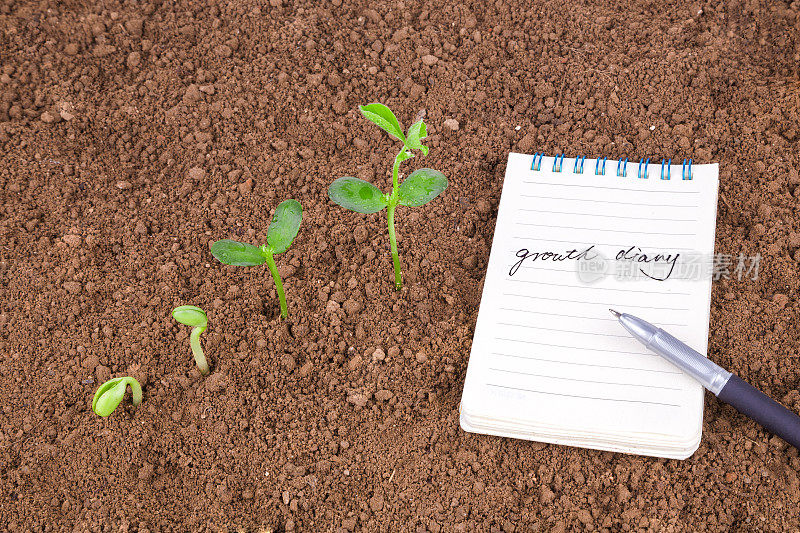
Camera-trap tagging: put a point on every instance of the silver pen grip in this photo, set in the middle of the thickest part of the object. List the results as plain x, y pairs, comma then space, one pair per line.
712, 376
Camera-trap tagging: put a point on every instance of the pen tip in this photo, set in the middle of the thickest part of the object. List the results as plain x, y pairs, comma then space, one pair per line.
615, 313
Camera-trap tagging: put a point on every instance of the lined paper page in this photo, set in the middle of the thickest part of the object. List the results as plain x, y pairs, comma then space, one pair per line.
567, 247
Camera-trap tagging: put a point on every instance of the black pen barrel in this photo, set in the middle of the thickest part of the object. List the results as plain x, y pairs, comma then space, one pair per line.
750, 401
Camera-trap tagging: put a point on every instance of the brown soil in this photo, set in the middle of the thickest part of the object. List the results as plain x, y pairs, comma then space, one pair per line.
135, 134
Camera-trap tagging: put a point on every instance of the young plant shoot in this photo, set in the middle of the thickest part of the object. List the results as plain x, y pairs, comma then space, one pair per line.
280, 234
110, 395
191, 315
421, 186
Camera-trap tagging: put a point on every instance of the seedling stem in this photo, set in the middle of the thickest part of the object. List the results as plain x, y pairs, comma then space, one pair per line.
276, 277
197, 349
398, 277
391, 206
191, 315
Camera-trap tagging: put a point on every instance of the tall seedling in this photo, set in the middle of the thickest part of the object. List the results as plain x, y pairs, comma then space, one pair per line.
421, 186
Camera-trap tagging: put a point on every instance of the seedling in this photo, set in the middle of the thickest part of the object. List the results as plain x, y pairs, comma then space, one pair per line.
110, 394
280, 234
191, 315
421, 186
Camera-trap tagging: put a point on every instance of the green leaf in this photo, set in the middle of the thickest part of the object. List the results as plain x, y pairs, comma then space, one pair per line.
404, 154
237, 253
383, 117
357, 195
422, 186
284, 226
190, 315
109, 396
416, 133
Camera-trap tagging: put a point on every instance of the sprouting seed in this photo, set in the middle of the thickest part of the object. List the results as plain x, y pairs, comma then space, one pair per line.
110, 394
191, 315
280, 235
421, 186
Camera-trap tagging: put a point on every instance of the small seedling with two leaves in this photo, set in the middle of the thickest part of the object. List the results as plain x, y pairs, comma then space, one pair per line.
280, 235
421, 186
109, 395
191, 315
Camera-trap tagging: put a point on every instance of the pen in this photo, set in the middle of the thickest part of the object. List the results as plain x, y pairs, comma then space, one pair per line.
726, 386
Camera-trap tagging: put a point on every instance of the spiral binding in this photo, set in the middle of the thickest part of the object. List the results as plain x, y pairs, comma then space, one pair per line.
646, 164
600, 167
667, 164
537, 161
558, 162
579, 169
622, 166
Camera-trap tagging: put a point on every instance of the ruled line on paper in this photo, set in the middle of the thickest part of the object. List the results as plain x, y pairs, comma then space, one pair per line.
615, 367
565, 330
583, 348
603, 319
540, 267
562, 198
626, 231
607, 188
577, 243
584, 214
548, 313
584, 286
584, 380
596, 303
626, 277
610, 275
582, 397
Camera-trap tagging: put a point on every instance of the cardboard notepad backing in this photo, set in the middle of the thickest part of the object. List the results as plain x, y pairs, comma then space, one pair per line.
573, 239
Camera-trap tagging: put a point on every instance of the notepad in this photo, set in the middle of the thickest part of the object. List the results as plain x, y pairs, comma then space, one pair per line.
575, 237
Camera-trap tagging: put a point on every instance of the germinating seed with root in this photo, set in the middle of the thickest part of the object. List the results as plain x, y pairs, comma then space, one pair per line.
110, 394
421, 186
191, 315
280, 235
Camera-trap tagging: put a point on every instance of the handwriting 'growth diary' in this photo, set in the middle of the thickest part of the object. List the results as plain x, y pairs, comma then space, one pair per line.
575, 237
